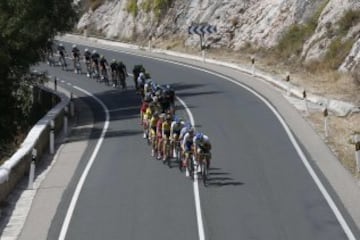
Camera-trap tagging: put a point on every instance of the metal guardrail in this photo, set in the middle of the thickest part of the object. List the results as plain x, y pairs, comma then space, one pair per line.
18, 165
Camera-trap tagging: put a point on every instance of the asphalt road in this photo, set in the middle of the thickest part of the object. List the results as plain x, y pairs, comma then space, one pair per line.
259, 187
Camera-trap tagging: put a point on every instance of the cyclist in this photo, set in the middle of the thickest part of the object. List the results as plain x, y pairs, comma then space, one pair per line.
87, 59
146, 118
140, 83
50, 52
122, 73
166, 127
103, 68
175, 130
202, 145
152, 127
169, 98
187, 147
95, 63
76, 57
62, 52
159, 135
114, 72
136, 71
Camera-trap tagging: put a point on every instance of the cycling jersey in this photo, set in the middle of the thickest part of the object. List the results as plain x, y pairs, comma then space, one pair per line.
153, 122
166, 129
114, 66
175, 128
95, 58
103, 62
159, 128
87, 56
148, 113
204, 144
144, 107
187, 142
76, 52
61, 50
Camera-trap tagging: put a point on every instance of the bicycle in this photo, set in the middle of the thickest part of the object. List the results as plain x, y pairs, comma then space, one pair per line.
204, 158
167, 152
188, 163
153, 142
62, 62
77, 65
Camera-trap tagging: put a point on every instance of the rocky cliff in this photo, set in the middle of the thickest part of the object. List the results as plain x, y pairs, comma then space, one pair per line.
326, 26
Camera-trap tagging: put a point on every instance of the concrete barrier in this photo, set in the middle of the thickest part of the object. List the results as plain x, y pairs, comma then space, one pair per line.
18, 165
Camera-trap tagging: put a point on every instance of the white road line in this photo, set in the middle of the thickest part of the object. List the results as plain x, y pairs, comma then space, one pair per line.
80, 184
301, 154
199, 218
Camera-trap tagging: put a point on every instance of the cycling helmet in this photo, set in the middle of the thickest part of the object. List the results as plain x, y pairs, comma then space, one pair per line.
199, 136
147, 98
177, 119
162, 115
155, 99
61, 45
94, 51
86, 50
102, 57
191, 130
113, 61
168, 117
156, 114
74, 46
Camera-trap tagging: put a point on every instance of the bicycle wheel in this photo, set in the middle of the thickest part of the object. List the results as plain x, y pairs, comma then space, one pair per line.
204, 172
190, 166
168, 154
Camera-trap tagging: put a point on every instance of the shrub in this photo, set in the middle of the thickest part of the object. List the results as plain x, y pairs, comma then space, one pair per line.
348, 20
337, 52
132, 7
293, 40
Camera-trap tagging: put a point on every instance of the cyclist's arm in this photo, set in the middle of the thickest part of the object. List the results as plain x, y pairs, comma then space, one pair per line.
172, 130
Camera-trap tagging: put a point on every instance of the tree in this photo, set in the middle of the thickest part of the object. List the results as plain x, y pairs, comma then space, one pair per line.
26, 26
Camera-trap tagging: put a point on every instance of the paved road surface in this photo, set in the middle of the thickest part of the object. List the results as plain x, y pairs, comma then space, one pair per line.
259, 187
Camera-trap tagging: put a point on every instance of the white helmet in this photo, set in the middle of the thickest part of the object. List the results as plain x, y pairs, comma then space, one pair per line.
86, 50
74, 46
94, 51
61, 45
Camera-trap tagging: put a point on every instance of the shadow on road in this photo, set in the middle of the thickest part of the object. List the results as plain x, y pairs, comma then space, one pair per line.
219, 178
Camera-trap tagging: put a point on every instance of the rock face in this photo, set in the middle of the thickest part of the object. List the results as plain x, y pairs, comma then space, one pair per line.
239, 22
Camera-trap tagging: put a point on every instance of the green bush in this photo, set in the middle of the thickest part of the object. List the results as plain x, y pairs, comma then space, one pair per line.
132, 7
293, 40
147, 6
337, 52
348, 20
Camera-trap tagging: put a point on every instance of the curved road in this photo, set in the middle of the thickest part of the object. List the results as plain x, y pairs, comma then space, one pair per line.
259, 187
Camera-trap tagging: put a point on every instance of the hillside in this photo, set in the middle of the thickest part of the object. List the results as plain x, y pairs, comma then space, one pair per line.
301, 31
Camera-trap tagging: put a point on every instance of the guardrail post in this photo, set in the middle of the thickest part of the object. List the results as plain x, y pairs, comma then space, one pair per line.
32, 169
52, 136
287, 79
326, 116
55, 83
72, 106
306, 103
66, 112
357, 150
253, 65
